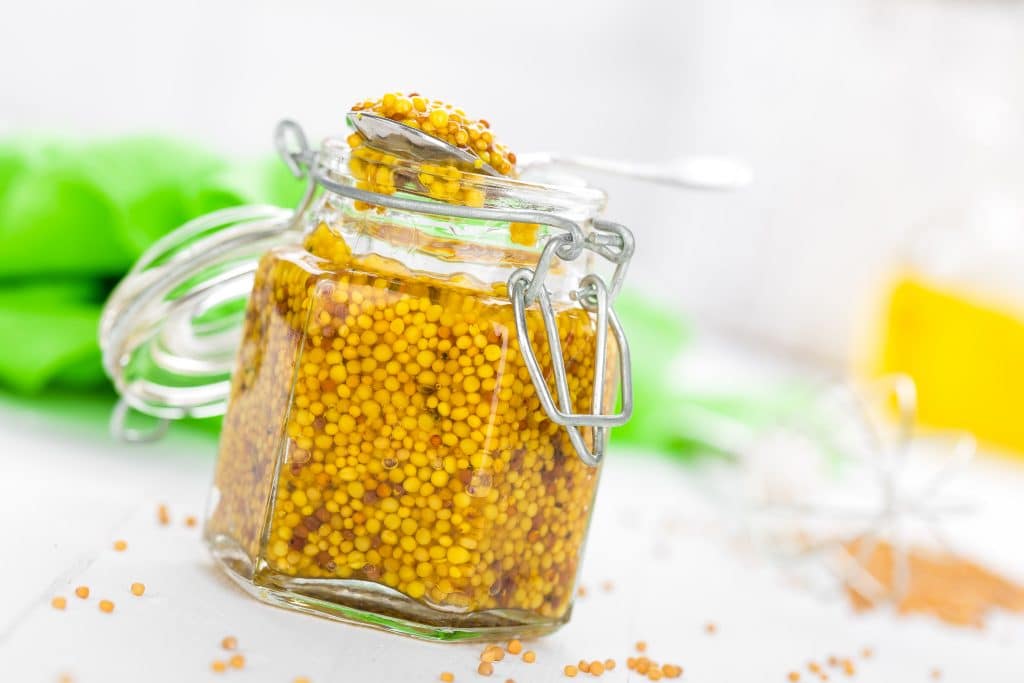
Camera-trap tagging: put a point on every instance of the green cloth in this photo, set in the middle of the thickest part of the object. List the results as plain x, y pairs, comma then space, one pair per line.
73, 219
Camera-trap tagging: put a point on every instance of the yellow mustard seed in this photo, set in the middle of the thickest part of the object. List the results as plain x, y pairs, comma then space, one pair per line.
447, 676
82, 592
237, 661
436, 472
120, 546
570, 671
106, 606
138, 589
529, 657
229, 642
492, 653
514, 647
485, 669
59, 602
671, 670
218, 666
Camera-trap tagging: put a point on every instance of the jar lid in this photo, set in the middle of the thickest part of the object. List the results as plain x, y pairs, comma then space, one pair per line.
170, 329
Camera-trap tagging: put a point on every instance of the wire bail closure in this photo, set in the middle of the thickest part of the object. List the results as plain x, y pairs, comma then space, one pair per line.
525, 287
612, 241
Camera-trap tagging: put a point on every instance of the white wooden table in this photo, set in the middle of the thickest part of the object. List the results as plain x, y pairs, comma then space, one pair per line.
67, 491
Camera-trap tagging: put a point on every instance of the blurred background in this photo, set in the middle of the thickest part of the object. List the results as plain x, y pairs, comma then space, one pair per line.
863, 120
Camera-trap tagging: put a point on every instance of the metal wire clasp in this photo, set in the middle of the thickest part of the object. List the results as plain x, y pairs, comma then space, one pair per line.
610, 240
525, 287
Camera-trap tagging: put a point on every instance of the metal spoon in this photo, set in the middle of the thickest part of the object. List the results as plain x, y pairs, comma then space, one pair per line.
701, 173
387, 134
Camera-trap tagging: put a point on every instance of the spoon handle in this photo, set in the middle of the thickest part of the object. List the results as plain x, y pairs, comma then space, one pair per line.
698, 173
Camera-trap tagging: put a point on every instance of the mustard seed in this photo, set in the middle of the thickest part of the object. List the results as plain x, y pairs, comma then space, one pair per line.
120, 546
106, 606
138, 588
570, 671
59, 602
485, 669
82, 592
529, 656
492, 653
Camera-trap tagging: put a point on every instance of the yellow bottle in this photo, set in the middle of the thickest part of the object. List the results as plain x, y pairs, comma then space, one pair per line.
965, 351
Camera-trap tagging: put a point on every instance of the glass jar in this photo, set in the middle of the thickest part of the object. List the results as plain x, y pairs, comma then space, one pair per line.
421, 394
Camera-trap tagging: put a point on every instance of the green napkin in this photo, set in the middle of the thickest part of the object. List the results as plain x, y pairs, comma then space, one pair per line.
73, 219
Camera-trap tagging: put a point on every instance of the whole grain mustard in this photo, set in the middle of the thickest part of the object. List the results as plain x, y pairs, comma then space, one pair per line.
383, 425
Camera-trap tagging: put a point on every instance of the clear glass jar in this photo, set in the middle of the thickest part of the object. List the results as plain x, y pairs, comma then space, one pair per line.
389, 454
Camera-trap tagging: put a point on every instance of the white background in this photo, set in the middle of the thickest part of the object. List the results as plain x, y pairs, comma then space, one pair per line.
864, 120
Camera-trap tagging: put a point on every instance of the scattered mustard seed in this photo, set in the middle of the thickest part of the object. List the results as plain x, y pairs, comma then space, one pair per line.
301, 679
59, 602
138, 588
641, 646
596, 668
190, 521
583, 666
229, 643
163, 515
218, 666
514, 647
711, 628
936, 674
672, 671
492, 653
609, 664
237, 661
485, 669
447, 677
120, 546
793, 676
82, 592
570, 671
529, 656
106, 606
